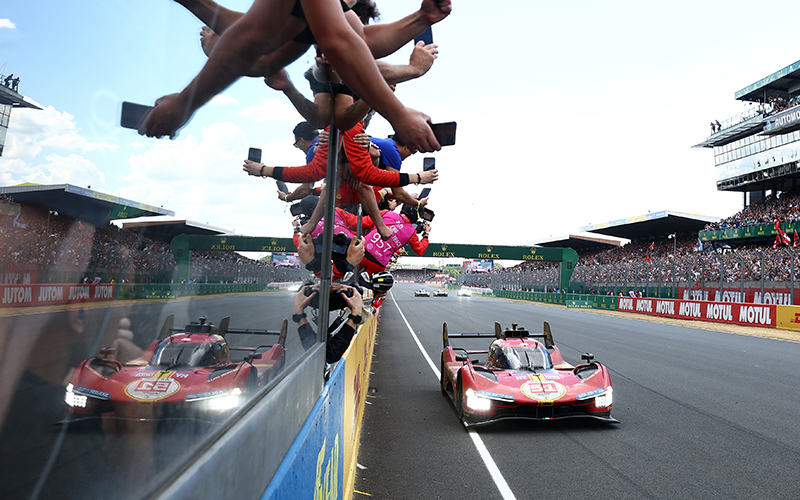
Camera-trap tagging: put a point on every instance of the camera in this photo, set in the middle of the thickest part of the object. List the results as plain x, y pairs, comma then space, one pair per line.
304, 208
425, 216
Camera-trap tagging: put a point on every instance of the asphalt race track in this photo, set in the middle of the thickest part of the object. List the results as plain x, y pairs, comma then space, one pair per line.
703, 414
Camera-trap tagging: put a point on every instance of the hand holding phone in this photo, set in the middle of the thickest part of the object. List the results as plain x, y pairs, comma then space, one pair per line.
445, 133
133, 114
426, 36
254, 154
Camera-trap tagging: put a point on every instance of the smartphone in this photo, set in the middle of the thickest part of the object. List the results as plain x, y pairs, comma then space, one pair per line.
424, 194
445, 133
133, 114
254, 154
282, 187
426, 36
428, 163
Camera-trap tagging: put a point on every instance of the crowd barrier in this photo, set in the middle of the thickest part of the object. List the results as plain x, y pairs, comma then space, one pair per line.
29, 295
322, 461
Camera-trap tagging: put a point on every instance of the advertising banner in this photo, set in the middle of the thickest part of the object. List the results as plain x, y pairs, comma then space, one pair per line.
762, 315
46, 295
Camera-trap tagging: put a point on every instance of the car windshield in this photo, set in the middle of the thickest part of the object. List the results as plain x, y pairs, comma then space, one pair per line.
522, 358
175, 354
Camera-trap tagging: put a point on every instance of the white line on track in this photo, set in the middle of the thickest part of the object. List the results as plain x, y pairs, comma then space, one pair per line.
498, 478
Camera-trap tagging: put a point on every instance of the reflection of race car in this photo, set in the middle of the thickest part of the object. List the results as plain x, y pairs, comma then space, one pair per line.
525, 377
440, 293
185, 372
422, 293
464, 292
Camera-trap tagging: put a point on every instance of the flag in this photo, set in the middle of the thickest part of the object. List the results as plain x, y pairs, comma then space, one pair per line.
652, 245
795, 239
777, 241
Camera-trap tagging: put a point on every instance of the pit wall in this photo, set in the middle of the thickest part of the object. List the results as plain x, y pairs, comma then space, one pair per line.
760, 315
322, 461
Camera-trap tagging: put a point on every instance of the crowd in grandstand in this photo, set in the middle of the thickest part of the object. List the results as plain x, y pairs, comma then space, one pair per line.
784, 207
38, 239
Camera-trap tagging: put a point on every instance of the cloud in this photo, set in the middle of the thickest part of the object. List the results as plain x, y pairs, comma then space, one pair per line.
30, 131
224, 100
57, 169
7, 24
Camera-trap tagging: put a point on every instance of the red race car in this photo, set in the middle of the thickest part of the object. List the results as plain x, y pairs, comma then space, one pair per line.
186, 373
524, 377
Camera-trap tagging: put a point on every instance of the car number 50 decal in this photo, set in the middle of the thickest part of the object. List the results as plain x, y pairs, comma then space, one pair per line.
543, 390
152, 389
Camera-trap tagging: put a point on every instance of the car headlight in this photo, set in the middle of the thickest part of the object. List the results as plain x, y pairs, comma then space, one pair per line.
605, 400
216, 401
476, 402
75, 400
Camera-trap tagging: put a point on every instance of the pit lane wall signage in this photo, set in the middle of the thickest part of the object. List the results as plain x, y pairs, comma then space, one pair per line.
762, 315
46, 295
321, 464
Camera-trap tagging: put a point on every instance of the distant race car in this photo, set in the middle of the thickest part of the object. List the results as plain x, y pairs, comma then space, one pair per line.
464, 292
422, 293
441, 292
524, 377
186, 373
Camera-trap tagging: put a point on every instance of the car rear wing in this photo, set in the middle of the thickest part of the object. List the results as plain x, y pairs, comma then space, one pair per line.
499, 333
223, 329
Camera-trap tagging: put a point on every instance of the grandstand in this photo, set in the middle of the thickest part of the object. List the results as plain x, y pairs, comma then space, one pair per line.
758, 151
63, 234
10, 98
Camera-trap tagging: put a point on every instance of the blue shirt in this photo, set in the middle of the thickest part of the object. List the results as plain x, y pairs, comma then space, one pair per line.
390, 156
310, 152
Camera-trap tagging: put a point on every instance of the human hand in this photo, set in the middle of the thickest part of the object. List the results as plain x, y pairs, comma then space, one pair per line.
279, 81
301, 301
436, 10
305, 248
415, 130
323, 138
169, 114
362, 140
423, 201
428, 176
422, 57
252, 168
282, 196
355, 252
355, 303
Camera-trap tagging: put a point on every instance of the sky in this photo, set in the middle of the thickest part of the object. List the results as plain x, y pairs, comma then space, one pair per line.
569, 113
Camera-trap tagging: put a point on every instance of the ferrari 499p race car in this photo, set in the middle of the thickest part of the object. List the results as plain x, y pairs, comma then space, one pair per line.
184, 373
524, 377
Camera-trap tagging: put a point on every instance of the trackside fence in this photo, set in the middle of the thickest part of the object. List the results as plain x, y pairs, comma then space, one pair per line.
783, 317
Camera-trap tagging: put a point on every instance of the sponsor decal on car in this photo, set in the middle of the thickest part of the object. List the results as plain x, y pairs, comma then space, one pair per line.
152, 389
87, 391
543, 390
495, 395
590, 394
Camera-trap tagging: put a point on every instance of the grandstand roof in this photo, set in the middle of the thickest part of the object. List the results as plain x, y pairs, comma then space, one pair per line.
579, 242
654, 224
781, 83
165, 230
81, 203
15, 99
